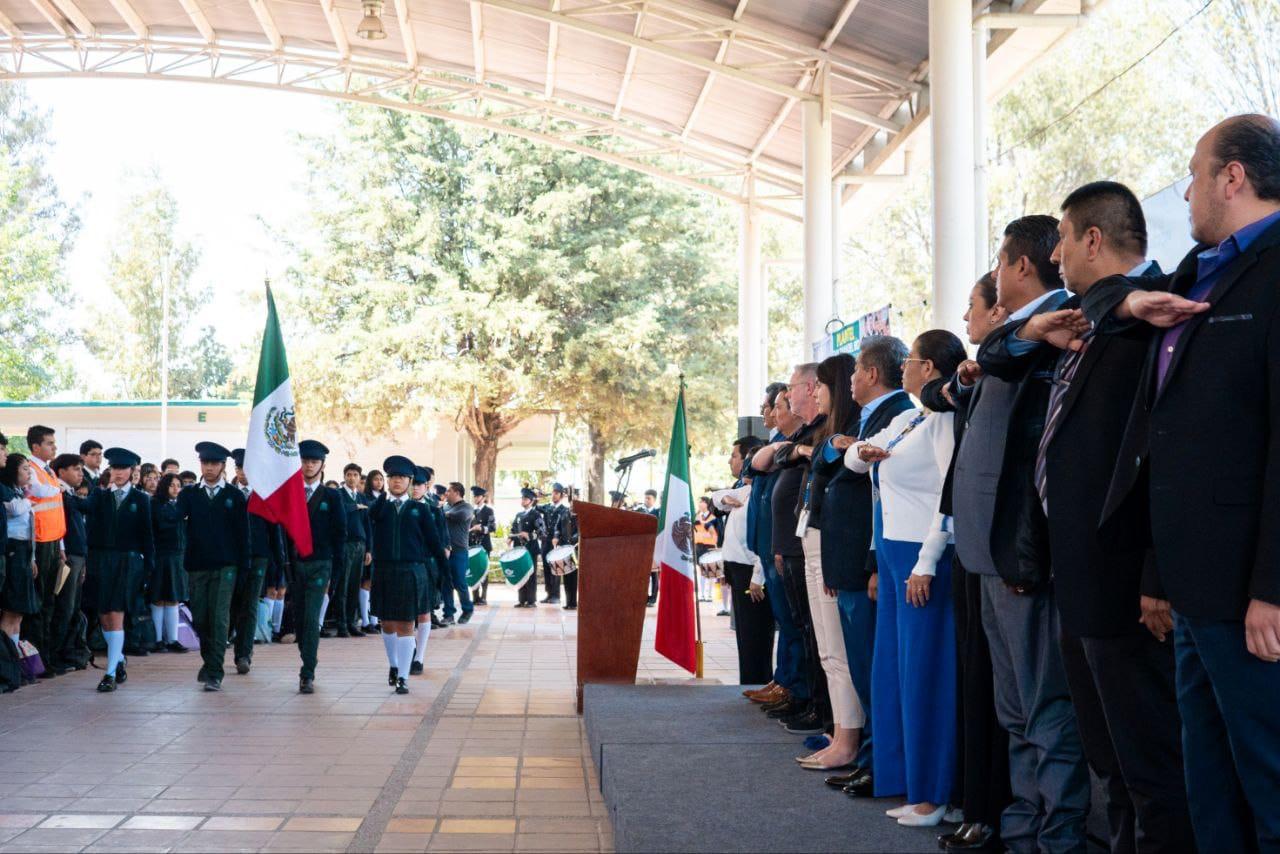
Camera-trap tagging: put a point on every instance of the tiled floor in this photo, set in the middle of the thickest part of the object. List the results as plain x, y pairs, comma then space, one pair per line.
485, 754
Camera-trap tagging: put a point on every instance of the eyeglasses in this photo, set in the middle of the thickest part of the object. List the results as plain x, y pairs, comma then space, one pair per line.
921, 361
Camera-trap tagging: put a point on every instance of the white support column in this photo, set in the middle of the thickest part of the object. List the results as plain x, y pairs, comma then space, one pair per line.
753, 311
817, 223
837, 197
951, 110
981, 217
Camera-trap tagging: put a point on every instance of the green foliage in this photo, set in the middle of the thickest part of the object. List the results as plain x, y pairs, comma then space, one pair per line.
146, 255
452, 270
36, 230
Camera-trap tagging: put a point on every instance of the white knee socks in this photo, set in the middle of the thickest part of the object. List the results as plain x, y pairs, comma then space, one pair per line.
157, 620
277, 614
115, 650
364, 607
170, 623
404, 658
389, 643
424, 632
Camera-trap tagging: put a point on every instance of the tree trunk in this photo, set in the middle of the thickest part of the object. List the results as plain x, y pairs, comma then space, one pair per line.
485, 469
595, 467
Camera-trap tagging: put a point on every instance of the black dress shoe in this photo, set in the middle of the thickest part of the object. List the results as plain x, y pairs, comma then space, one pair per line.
839, 781
785, 709
121, 675
213, 684
447, 621
808, 724
355, 631
174, 646
415, 669
861, 786
391, 677
402, 686
976, 837
242, 666
464, 618
107, 685
306, 686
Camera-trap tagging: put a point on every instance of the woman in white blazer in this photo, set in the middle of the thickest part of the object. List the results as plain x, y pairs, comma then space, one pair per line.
913, 669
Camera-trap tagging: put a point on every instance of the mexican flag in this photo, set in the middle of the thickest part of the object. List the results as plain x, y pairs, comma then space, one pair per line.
676, 636
271, 459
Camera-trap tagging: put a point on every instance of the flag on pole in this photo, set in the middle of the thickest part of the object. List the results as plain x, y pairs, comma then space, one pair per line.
271, 459
676, 636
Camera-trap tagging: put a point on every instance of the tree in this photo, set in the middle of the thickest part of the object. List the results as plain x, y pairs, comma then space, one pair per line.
36, 232
453, 270
146, 256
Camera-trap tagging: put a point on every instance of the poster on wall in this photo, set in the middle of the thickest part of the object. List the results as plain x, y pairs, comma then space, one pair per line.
848, 338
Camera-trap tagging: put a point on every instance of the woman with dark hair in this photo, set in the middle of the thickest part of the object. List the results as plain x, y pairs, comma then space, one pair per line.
18, 595
705, 539
169, 584
149, 478
374, 485
913, 669
834, 397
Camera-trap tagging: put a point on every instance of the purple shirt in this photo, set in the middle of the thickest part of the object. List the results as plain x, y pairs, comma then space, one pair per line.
1210, 265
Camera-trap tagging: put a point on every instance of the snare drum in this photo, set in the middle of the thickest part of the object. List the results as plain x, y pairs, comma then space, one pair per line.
711, 564
562, 560
477, 566
517, 565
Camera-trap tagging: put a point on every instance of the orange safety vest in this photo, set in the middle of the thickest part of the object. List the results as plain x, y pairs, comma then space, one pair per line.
51, 523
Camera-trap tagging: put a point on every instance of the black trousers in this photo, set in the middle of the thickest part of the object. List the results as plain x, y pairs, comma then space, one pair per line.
550, 580
571, 589
798, 601
528, 592
753, 627
1122, 689
653, 585
982, 766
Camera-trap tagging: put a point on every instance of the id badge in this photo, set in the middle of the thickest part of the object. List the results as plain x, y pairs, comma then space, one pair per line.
803, 524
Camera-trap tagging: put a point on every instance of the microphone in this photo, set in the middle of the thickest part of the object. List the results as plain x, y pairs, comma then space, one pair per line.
627, 461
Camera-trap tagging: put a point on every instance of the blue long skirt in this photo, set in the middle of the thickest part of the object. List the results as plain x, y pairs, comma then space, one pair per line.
913, 680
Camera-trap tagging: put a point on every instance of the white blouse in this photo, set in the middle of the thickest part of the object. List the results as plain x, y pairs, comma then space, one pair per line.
911, 480
735, 548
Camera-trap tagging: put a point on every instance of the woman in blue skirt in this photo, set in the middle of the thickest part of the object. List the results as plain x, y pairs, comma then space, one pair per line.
913, 667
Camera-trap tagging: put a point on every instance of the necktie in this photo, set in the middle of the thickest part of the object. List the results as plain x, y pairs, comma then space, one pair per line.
119, 497
1062, 383
210, 491
310, 491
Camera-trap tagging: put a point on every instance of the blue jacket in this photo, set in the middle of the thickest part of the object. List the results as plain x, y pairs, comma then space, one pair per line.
408, 535
358, 525
217, 528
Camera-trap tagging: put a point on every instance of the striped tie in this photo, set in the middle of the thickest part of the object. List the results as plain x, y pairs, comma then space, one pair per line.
1067, 366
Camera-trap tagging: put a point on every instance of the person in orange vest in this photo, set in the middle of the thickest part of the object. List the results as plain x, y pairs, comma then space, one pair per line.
45, 495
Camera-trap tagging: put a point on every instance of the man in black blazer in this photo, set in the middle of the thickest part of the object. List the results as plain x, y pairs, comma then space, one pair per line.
311, 572
1202, 450
993, 494
1121, 675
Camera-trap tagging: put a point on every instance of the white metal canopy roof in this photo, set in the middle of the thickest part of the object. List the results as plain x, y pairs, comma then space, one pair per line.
697, 91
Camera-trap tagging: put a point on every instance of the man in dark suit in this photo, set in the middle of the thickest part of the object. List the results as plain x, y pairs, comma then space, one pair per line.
1202, 450
312, 571
846, 547
992, 490
1121, 675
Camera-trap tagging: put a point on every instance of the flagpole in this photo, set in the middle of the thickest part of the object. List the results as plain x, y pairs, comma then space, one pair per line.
697, 611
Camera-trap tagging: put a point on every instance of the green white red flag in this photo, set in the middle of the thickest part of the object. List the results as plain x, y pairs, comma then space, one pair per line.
271, 459
676, 636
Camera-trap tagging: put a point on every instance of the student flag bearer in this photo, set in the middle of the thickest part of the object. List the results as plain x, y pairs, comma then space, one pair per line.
327, 533
404, 538
676, 636
120, 546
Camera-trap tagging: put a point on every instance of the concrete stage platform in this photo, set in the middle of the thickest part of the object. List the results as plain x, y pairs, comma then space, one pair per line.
698, 768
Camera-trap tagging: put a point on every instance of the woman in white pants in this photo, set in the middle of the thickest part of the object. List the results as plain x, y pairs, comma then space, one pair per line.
835, 402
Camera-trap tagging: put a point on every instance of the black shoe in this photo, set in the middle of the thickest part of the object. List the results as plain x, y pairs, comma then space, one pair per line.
839, 781
861, 786
203, 675
326, 633
972, 837
479, 603
722, 613
107, 685
121, 675
48, 673
306, 686
402, 686
785, 709
435, 622
447, 621
174, 646
275, 637
242, 666
415, 669
571, 607
213, 685
809, 724
156, 647
464, 618
651, 602
343, 633
355, 631
391, 677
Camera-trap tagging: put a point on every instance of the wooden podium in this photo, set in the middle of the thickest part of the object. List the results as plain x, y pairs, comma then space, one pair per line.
615, 553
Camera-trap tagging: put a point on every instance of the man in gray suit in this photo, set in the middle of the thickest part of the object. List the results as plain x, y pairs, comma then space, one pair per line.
999, 530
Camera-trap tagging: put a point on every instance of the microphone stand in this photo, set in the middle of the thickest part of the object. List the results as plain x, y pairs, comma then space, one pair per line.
624, 478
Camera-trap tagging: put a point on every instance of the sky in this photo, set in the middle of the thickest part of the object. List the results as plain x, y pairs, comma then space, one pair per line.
227, 154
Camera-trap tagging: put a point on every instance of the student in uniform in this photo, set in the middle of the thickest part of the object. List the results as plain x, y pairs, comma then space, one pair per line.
168, 584
217, 552
404, 537
344, 590
266, 568
71, 649
120, 546
442, 576
482, 528
651, 507
312, 571
18, 595
566, 534
528, 530
551, 520
429, 600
